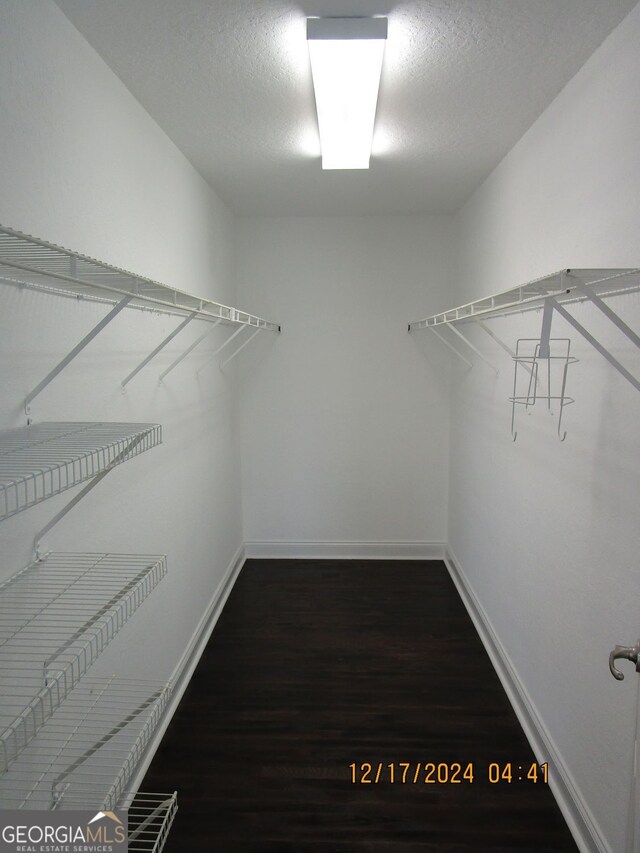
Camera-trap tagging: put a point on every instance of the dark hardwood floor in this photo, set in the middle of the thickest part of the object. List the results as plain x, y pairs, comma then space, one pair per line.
317, 665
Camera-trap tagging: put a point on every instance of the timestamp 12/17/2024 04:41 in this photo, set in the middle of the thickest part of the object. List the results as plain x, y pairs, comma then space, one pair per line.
445, 773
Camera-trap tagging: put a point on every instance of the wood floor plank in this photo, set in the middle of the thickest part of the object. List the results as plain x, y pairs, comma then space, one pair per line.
316, 665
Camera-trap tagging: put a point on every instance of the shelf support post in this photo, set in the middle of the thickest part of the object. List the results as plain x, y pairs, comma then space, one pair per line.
545, 333
76, 350
189, 349
596, 344
241, 347
450, 345
495, 337
474, 348
160, 346
504, 346
220, 348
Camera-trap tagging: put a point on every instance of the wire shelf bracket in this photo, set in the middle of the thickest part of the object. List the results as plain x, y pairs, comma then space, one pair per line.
57, 616
74, 352
189, 349
160, 347
553, 305
219, 350
448, 344
481, 324
81, 494
42, 460
475, 349
239, 349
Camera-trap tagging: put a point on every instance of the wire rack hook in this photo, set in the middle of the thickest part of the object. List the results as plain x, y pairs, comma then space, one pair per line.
529, 354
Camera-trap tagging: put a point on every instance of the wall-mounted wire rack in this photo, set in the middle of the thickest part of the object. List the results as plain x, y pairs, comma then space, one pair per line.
552, 294
554, 369
42, 460
36, 263
27, 261
564, 286
56, 616
86, 753
149, 820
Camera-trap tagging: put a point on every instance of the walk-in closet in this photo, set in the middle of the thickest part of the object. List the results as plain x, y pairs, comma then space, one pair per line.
319, 469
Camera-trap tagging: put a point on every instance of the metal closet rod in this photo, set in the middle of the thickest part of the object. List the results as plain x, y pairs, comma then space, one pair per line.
112, 301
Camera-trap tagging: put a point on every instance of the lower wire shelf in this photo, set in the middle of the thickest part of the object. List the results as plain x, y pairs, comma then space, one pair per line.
56, 617
86, 753
149, 820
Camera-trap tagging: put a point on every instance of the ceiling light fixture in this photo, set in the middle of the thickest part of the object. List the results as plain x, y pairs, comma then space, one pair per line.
346, 63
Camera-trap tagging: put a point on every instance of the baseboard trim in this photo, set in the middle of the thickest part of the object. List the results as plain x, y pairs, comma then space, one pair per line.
189, 660
577, 814
345, 550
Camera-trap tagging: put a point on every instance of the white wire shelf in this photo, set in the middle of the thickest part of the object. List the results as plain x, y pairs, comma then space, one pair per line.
149, 818
56, 617
33, 262
86, 753
42, 460
563, 285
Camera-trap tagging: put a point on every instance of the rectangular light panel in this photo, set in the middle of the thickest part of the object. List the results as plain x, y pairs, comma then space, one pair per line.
346, 63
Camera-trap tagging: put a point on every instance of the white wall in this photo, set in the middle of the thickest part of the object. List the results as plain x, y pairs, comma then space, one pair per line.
344, 422
546, 533
83, 165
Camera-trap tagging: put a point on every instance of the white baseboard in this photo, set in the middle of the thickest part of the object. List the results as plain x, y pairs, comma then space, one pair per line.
577, 814
189, 660
345, 550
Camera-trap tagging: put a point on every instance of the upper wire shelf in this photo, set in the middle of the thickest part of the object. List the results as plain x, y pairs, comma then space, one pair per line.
87, 752
149, 820
42, 460
56, 616
30, 261
563, 285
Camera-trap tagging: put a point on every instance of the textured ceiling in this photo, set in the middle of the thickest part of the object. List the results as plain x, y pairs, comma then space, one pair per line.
229, 81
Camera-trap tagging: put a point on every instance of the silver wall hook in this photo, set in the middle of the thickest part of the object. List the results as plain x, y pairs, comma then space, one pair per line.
624, 653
